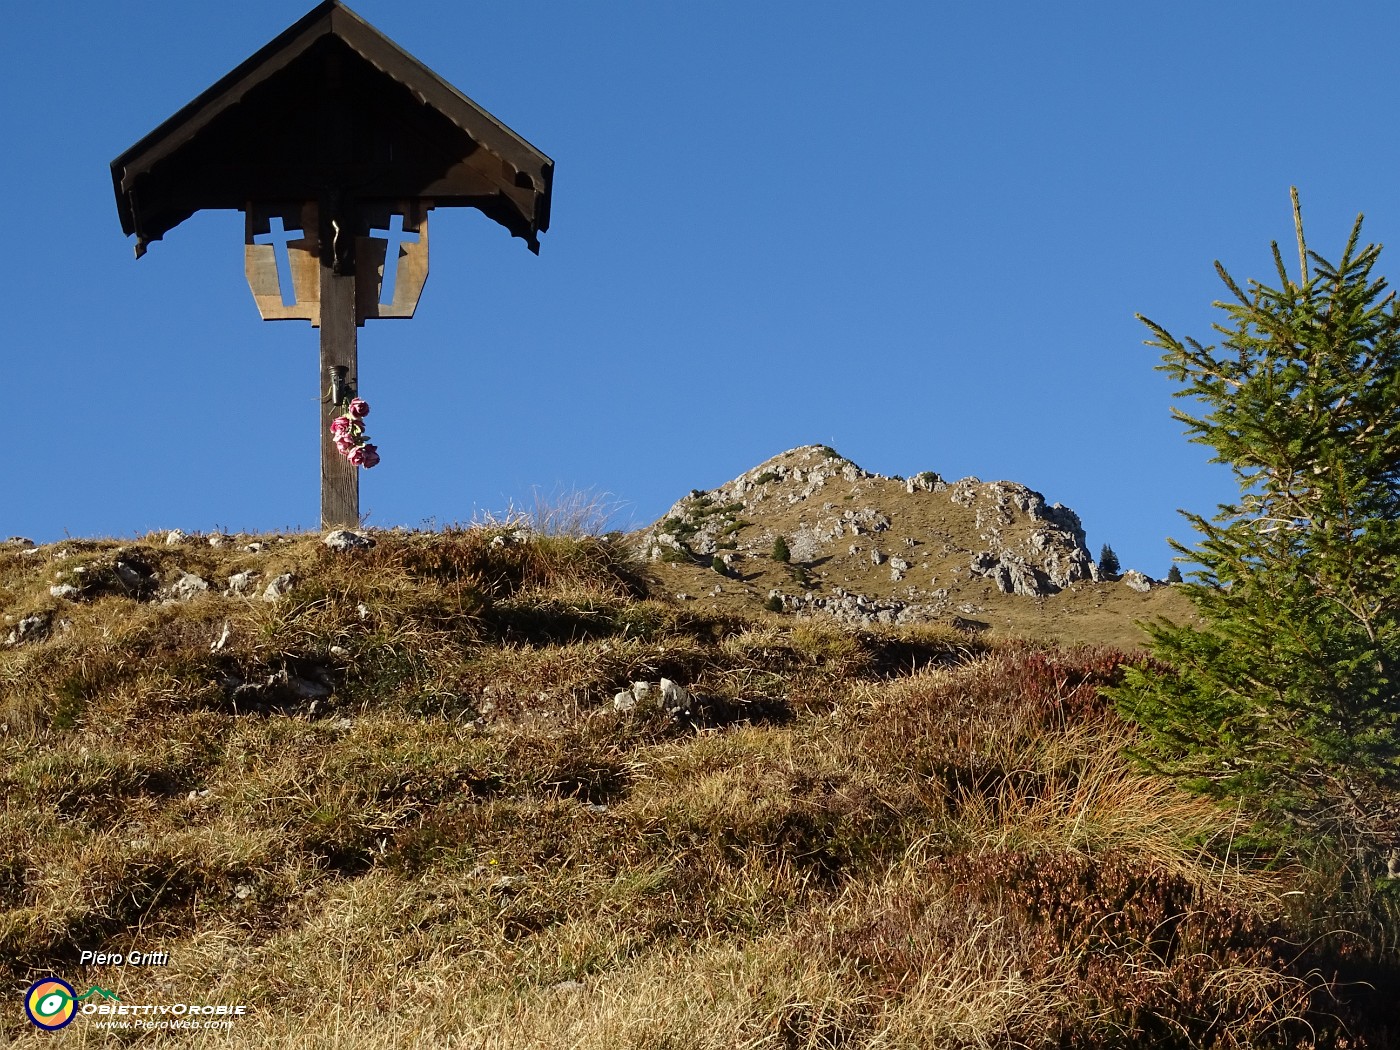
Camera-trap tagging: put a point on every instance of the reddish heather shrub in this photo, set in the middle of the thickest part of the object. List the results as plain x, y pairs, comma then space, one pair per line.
1155, 954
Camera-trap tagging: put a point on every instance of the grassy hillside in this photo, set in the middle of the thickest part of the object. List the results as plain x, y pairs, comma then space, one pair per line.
398, 806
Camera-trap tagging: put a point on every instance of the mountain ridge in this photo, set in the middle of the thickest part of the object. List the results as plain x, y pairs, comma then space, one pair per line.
865, 548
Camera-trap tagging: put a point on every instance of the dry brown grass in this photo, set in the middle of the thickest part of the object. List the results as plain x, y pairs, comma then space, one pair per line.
894, 838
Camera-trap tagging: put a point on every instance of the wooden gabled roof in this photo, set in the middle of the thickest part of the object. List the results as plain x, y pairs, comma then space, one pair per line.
331, 107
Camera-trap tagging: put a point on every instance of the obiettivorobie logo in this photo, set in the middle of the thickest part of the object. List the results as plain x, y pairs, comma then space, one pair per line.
52, 1003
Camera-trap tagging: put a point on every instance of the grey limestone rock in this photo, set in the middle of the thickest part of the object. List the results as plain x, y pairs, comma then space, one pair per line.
280, 587
30, 629
964, 491
348, 539
1066, 567
805, 544
1011, 574
860, 610
676, 699
188, 586
924, 481
1137, 581
640, 694
242, 582
1066, 520
1026, 580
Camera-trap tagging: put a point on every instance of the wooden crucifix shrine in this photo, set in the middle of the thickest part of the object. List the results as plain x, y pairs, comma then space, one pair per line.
335, 144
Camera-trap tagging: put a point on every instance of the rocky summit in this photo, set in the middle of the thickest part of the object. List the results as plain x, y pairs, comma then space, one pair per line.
810, 533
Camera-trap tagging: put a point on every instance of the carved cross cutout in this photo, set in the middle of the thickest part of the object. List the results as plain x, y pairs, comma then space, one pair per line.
394, 239
277, 299
279, 238
391, 260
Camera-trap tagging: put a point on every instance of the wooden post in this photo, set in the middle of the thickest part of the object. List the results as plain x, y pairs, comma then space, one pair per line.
335, 130
340, 481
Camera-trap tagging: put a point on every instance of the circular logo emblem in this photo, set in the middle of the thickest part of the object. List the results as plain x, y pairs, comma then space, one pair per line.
50, 1003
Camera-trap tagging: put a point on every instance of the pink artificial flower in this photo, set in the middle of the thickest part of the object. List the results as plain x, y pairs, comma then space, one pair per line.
345, 444
359, 408
340, 425
357, 455
371, 455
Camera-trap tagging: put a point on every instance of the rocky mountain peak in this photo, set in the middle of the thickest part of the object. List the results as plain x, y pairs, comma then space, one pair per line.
864, 547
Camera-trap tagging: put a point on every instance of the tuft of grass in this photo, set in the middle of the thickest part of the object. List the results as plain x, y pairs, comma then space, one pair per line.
573, 514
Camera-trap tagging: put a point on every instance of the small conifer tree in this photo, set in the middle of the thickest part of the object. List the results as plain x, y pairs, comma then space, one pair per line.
780, 550
1108, 562
1174, 575
1289, 695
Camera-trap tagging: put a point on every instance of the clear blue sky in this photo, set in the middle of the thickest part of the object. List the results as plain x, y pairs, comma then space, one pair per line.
915, 231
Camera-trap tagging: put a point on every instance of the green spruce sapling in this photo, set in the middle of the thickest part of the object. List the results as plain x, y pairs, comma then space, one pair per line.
1288, 696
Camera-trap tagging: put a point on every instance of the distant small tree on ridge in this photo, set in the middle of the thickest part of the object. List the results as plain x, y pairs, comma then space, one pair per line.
1108, 562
